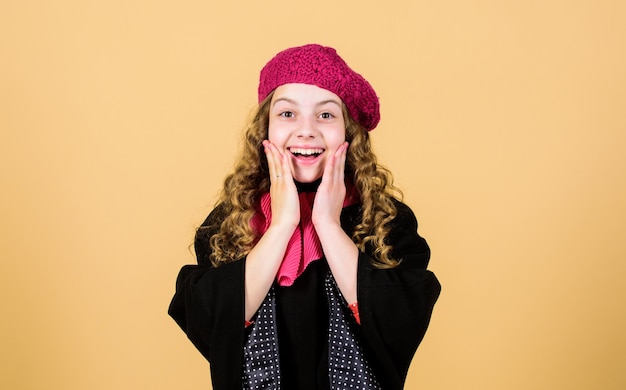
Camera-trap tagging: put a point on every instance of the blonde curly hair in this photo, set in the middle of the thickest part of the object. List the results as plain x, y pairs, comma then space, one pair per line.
238, 201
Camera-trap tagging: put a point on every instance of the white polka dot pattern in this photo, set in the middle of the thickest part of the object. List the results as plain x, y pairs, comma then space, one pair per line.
261, 367
347, 367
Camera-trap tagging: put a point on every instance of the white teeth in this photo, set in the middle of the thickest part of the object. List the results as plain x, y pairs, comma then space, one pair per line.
306, 152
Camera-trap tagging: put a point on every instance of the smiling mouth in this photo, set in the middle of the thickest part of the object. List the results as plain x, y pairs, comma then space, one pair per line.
306, 153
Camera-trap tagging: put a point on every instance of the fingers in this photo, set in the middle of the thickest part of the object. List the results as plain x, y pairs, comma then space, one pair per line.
332, 190
277, 162
340, 167
285, 203
334, 170
271, 160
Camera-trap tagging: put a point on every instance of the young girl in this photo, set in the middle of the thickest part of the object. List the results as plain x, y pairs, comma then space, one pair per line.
311, 273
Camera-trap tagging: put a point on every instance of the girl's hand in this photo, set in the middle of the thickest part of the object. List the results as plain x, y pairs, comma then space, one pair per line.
263, 261
283, 191
332, 190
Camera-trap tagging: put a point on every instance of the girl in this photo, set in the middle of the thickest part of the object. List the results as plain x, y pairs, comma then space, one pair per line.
311, 273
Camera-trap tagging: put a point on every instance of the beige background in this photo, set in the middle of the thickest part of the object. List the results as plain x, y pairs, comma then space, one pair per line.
504, 122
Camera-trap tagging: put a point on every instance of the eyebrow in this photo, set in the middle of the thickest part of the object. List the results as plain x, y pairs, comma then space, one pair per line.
323, 102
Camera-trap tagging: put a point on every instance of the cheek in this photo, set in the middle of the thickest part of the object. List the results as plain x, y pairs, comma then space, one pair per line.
274, 134
337, 137
278, 132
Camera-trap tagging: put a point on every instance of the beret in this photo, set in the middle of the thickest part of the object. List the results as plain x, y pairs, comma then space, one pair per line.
321, 66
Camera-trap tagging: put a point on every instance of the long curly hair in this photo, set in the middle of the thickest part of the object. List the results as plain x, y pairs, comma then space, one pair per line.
238, 200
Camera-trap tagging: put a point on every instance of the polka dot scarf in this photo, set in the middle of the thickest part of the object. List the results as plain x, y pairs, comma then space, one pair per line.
261, 368
347, 366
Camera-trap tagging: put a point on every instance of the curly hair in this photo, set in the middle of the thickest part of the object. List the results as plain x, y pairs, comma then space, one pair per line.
234, 237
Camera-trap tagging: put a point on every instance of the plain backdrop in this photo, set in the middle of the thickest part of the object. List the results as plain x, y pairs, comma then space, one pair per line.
503, 121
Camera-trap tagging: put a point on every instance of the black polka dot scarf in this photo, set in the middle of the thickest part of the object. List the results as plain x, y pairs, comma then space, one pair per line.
261, 368
347, 366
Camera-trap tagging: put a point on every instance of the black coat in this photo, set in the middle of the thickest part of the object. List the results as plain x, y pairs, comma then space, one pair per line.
395, 306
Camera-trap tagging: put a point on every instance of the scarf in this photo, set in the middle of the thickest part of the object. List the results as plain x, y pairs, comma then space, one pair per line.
348, 367
304, 245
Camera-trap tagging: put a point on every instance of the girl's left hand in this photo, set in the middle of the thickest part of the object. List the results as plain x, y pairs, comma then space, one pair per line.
332, 189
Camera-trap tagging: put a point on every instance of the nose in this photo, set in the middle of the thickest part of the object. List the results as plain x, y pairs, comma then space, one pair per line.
307, 129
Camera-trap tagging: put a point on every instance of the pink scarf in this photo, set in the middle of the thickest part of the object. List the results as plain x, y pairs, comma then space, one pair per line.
297, 257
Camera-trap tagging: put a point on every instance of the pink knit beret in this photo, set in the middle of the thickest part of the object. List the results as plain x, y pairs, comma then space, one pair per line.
322, 66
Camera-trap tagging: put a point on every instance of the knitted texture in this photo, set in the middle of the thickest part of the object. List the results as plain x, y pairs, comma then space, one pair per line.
321, 66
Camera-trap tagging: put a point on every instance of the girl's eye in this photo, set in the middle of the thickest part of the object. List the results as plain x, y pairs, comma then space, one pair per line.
287, 114
326, 115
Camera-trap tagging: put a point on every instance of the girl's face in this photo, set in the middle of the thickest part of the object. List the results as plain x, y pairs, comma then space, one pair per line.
306, 123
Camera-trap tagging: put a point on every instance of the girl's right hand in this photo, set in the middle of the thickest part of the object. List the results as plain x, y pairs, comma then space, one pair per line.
264, 259
283, 191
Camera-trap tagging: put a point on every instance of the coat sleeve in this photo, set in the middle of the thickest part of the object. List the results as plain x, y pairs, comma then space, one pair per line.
395, 304
209, 307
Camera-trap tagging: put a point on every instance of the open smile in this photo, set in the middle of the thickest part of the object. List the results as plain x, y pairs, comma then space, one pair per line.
306, 154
